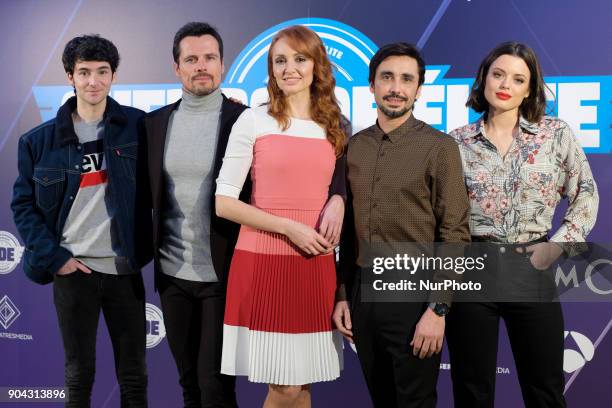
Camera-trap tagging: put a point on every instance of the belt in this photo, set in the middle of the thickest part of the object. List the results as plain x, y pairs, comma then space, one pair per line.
475, 238
503, 246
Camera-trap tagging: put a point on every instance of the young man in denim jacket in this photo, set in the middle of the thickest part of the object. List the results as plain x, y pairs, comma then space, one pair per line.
76, 206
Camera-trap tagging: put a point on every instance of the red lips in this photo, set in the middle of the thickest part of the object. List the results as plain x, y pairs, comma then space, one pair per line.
503, 96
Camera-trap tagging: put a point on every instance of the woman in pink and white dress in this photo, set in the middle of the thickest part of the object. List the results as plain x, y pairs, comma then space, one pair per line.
282, 282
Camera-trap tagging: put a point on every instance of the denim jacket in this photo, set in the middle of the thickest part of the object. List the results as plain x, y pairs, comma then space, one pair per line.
49, 164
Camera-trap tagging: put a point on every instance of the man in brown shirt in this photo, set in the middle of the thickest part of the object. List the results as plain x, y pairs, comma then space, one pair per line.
406, 188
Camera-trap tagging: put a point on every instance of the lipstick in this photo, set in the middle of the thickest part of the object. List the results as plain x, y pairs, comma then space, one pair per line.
503, 96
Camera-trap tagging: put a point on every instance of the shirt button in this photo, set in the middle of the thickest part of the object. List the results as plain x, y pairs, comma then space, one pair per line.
502, 250
71, 197
76, 166
79, 147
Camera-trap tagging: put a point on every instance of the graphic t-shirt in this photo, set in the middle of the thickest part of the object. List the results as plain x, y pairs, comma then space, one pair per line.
90, 232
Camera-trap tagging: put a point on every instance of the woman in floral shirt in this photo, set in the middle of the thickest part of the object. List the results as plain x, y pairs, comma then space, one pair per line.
518, 164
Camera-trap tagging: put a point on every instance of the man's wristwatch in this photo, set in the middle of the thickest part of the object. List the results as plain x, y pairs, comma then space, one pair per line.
441, 309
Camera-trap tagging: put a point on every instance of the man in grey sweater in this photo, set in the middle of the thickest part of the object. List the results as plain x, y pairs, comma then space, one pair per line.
185, 143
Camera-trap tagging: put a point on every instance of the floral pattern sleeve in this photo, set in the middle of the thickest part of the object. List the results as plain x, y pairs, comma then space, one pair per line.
577, 185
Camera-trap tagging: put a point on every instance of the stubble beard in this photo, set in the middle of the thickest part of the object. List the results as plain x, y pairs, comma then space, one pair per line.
197, 91
202, 90
393, 114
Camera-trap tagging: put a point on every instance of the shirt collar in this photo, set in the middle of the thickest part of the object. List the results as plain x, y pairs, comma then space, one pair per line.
476, 130
528, 126
64, 124
396, 134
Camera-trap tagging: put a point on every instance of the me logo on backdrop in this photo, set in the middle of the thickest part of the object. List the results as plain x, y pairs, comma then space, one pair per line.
582, 101
156, 331
10, 253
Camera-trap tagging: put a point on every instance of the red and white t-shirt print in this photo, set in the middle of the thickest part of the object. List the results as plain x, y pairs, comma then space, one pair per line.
93, 170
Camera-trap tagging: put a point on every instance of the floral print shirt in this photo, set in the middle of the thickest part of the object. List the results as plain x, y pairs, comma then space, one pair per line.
513, 198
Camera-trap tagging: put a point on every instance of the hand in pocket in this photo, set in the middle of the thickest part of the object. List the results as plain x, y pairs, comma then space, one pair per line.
543, 254
71, 266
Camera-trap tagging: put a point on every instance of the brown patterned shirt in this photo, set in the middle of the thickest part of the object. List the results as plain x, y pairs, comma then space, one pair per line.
404, 186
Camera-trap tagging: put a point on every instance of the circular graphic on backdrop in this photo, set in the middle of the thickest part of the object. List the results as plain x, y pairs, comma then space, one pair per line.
156, 331
10, 252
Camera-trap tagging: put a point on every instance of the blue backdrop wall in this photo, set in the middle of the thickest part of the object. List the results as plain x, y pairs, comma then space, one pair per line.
572, 39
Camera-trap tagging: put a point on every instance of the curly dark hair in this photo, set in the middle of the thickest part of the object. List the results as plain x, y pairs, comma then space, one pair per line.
194, 29
89, 47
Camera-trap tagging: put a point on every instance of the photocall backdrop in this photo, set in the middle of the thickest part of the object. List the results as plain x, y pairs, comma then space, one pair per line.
571, 38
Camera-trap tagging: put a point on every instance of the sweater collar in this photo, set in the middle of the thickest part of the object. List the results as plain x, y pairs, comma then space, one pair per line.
64, 126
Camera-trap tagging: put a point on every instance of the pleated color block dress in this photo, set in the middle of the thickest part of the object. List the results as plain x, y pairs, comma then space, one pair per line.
278, 326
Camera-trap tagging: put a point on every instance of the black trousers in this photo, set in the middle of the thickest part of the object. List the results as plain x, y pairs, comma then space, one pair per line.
535, 330
78, 298
395, 377
193, 316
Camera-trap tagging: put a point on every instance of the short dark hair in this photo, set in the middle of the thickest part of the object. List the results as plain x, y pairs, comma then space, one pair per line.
89, 47
397, 49
194, 29
534, 106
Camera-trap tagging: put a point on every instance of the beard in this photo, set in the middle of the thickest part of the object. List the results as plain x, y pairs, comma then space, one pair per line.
202, 90
391, 113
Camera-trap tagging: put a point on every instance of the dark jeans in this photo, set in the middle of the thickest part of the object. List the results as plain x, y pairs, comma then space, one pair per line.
79, 297
395, 377
193, 317
535, 330
536, 337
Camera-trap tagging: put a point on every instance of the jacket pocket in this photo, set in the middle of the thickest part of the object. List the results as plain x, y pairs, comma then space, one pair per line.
127, 155
48, 187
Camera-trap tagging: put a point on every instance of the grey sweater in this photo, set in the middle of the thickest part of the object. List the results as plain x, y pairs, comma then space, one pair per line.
90, 232
191, 142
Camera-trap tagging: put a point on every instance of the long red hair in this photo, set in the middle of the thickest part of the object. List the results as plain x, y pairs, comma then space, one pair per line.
324, 109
